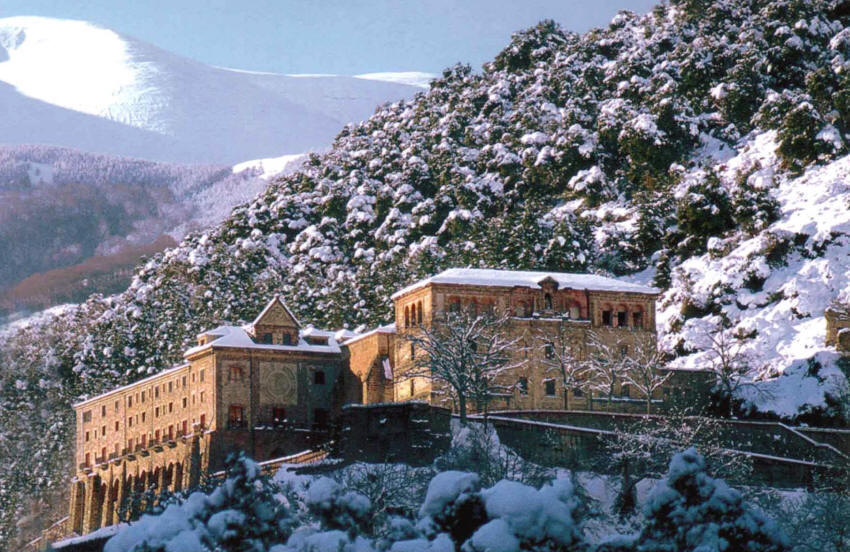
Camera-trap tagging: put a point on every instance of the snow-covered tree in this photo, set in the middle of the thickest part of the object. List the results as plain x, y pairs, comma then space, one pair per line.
464, 352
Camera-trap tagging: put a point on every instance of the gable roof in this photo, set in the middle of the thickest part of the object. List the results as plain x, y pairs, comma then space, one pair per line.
530, 279
276, 300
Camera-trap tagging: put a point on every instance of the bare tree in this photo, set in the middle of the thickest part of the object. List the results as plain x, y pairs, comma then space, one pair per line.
729, 363
606, 365
562, 354
645, 371
466, 352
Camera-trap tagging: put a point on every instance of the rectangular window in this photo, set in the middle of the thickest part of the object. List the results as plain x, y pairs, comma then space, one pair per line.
621, 319
267, 338
185, 427
201, 375
202, 396
144, 440
203, 420
171, 432
318, 377
103, 431
137, 397
156, 412
320, 418
549, 386
87, 436
88, 459
116, 406
169, 386
156, 392
129, 401
185, 402
143, 396
170, 407
606, 318
184, 382
236, 416
103, 411
523, 386
278, 414
87, 416
143, 417
637, 319
103, 454
130, 445
236, 373
116, 425
130, 421
156, 436
287, 339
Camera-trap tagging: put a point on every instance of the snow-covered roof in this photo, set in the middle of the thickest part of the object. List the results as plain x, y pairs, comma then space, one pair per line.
517, 278
134, 384
386, 329
237, 337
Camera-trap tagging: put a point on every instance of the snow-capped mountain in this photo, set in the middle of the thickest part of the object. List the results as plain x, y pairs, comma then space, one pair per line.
72, 83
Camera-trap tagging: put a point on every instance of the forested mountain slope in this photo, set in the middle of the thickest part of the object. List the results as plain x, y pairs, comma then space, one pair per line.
701, 146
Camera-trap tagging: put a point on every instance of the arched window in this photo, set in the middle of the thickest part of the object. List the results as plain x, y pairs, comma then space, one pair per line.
622, 316
637, 318
413, 314
547, 302
419, 313
406, 317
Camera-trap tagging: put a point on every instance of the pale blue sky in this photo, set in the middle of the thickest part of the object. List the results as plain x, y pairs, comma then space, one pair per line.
329, 36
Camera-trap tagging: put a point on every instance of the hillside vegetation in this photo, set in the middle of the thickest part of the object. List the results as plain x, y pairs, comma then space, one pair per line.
681, 146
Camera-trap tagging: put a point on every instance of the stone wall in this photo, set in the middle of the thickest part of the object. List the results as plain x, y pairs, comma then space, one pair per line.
413, 432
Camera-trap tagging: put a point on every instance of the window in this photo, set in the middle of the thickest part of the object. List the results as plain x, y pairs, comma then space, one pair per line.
185, 427
103, 411
170, 407
130, 445
144, 440
87, 416
103, 431
171, 432
143, 396
156, 392
203, 420
419, 313
156, 436
143, 417
236, 416
116, 425
184, 382
577, 392
549, 387
202, 396
318, 377
412, 387
637, 319
129, 422
287, 338
236, 373
622, 320
156, 412
88, 459
547, 302
87, 436
116, 406
523, 386
278, 414
454, 304
169, 387
103, 454
267, 339
549, 350
406, 317
413, 314
129, 401
201, 375
185, 402
606, 318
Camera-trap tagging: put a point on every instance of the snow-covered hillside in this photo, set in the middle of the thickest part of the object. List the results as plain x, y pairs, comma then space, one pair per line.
75, 84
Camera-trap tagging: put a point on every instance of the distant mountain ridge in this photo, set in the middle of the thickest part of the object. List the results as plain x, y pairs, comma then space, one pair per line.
73, 83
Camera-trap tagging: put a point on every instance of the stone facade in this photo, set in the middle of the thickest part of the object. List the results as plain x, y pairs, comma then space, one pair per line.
542, 309
838, 327
267, 389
